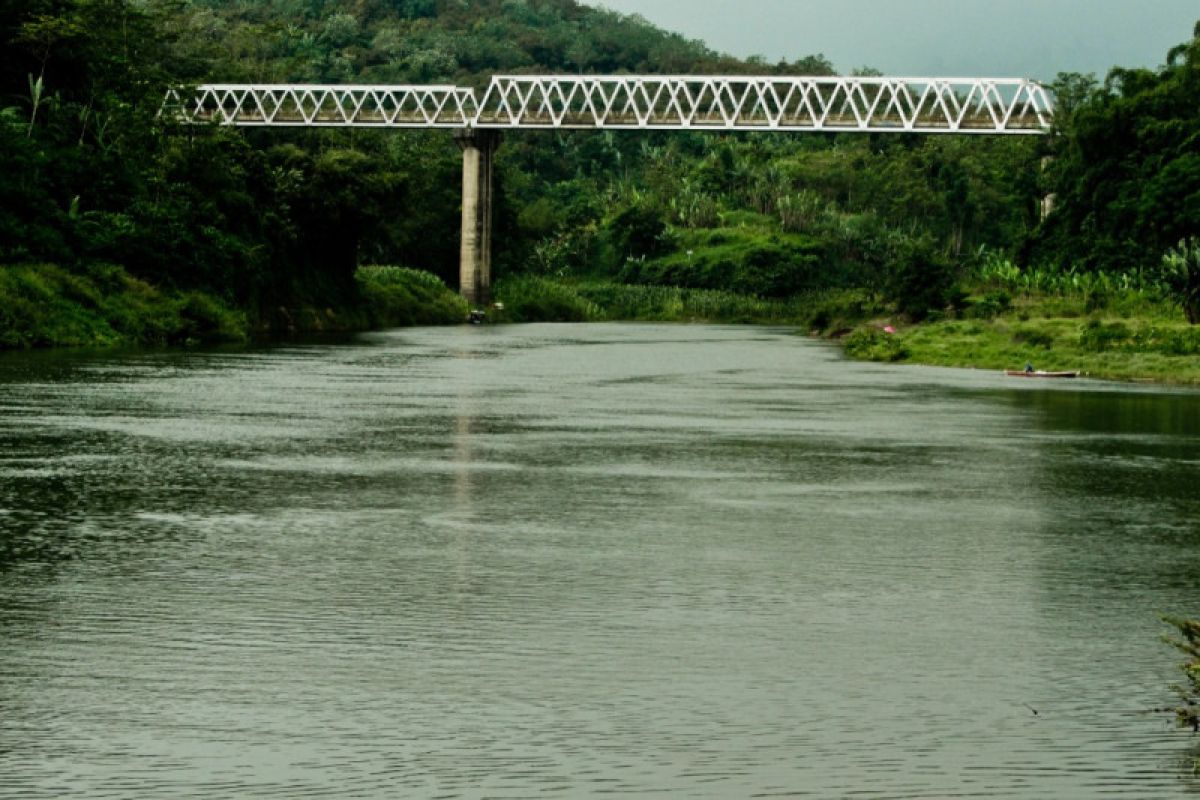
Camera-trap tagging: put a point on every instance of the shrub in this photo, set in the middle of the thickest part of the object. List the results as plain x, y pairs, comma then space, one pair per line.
205, 319
1188, 712
396, 296
741, 260
45, 305
1180, 272
1033, 337
535, 299
1098, 336
991, 305
872, 344
921, 279
638, 232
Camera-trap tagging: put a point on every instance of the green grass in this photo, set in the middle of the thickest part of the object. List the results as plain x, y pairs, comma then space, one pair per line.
538, 299
1119, 334
747, 261
398, 296
45, 305
1133, 337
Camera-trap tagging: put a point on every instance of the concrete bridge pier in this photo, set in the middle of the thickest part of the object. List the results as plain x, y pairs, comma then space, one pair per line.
475, 258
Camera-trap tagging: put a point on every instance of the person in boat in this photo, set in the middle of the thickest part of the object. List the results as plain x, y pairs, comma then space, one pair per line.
1029, 370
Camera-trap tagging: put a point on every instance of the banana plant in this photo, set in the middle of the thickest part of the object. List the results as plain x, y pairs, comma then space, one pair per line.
36, 88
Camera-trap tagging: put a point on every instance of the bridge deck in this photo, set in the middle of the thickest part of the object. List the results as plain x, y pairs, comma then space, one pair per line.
920, 105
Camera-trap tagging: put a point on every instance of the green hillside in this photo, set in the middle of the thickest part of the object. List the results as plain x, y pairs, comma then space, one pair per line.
270, 220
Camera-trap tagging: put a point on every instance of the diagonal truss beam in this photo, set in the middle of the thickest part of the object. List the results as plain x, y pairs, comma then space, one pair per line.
311, 105
998, 106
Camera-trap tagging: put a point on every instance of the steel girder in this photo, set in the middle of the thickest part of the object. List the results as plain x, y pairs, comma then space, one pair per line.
325, 105
640, 102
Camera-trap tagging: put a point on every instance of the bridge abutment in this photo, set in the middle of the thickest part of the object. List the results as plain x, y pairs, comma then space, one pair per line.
475, 256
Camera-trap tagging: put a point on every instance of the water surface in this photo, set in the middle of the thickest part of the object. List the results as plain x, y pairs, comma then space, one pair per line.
555, 561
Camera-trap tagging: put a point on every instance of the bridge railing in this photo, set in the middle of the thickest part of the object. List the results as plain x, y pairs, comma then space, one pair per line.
856, 104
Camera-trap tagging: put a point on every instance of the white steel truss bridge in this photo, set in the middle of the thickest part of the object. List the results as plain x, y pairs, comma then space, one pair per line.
996, 106
987, 106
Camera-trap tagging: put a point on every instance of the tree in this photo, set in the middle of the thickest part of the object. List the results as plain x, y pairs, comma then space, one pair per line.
1126, 171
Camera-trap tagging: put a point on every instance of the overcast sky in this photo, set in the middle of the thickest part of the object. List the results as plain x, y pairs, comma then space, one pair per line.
967, 38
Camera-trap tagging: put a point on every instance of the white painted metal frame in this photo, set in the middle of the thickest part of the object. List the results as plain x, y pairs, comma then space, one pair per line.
861, 104
642, 102
310, 105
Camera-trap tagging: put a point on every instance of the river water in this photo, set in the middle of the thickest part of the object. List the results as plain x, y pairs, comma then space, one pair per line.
574, 561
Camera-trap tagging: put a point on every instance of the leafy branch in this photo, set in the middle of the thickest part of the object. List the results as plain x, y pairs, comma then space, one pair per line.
1188, 712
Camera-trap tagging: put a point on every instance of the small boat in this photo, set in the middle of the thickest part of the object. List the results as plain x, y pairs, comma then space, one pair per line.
1020, 373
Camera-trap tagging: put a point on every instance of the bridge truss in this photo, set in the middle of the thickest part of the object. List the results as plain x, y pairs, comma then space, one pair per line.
997, 106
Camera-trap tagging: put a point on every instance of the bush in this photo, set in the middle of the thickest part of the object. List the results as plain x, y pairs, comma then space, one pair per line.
1033, 337
872, 344
921, 279
1188, 713
991, 305
638, 232
1180, 272
535, 299
397, 296
740, 260
1098, 337
1168, 341
46, 305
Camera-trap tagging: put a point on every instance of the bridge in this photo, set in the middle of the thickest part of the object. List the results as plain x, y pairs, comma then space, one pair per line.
981, 106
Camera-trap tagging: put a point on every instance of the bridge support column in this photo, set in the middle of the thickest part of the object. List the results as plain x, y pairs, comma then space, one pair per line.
475, 258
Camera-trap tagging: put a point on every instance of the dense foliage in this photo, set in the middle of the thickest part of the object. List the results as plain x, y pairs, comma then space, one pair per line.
270, 219
1127, 165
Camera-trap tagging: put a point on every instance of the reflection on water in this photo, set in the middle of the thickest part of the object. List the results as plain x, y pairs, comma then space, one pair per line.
586, 560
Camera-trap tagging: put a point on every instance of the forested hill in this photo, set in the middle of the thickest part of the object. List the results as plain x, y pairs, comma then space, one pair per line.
92, 175
94, 179
436, 41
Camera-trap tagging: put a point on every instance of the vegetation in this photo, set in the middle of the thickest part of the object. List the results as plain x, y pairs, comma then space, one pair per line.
396, 296
1181, 276
1126, 168
271, 227
45, 304
1094, 324
1188, 712
539, 299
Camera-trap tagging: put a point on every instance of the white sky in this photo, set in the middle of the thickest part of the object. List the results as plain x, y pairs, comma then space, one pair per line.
968, 38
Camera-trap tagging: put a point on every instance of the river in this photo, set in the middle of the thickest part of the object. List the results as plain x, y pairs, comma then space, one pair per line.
574, 561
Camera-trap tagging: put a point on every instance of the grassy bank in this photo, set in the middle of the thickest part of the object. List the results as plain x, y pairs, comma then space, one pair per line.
394, 297
1120, 333
46, 305
1127, 335
537, 299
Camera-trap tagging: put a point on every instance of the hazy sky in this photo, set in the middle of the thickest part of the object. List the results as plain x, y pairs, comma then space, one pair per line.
1018, 38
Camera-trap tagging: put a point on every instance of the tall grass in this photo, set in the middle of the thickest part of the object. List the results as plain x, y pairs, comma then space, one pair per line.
539, 299
46, 305
399, 296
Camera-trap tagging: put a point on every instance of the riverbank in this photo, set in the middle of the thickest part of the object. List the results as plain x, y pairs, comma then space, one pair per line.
538, 299
1133, 337
46, 305
1129, 335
